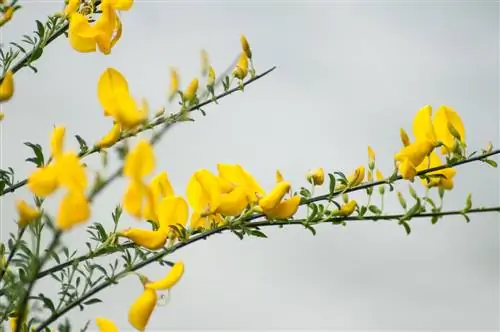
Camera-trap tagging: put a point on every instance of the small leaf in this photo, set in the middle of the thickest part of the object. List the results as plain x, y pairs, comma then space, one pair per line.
406, 226
375, 210
467, 219
331, 185
310, 228
47, 303
92, 301
257, 233
83, 145
491, 162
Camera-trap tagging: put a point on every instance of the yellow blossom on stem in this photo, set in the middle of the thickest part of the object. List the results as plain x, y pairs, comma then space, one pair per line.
241, 69
152, 240
274, 206
203, 192
174, 84
7, 86
316, 176
73, 210
189, 94
211, 76
105, 325
233, 203
160, 188
245, 46
170, 280
423, 130
110, 138
116, 101
442, 178
357, 177
348, 208
443, 119
237, 176
172, 211
371, 158
271, 200
378, 175
7, 15
26, 213
123, 5
205, 62
285, 209
411, 156
142, 308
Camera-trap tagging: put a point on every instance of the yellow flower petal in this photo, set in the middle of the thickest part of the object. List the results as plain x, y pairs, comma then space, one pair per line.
174, 84
271, 200
110, 138
404, 137
285, 209
81, 34
407, 169
105, 325
357, 177
70, 172
105, 27
111, 85
233, 203
241, 69
7, 86
245, 46
119, 4
316, 177
203, 192
73, 210
238, 176
128, 114
348, 208
146, 238
137, 200
445, 176
172, 210
142, 308
444, 117
57, 141
190, 93
279, 176
43, 181
415, 152
423, 129
169, 281
26, 213
379, 175
140, 161
211, 76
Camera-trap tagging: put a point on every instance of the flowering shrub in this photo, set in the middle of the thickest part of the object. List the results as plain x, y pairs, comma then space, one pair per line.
219, 198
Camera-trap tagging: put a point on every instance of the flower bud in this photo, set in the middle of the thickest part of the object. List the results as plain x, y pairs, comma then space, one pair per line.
316, 177
404, 137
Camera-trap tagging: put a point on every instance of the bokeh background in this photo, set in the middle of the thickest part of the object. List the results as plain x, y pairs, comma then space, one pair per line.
349, 74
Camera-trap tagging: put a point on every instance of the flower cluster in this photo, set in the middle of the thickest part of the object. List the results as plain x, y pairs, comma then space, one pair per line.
65, 171
445, 130
103, 34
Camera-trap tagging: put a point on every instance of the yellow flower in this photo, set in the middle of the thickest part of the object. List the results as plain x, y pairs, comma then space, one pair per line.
444, 178
379, 176
13, 323
7, 86
271, 200
146, 238
190, 94
115, 99
285, 209
104, 34
203, 192
26, 213
73, 210
443, 119
170, 280
142, 308
348, 208
411, 156
237, 176
72, 7
66, 171
159, 187
423, 130
7, 15
233, 203
172, 211
357, 177
140, 162
371, 158
404, 137
110, 138
241, 69
174, 84
245, 46
211, 76
316, 177
105, 325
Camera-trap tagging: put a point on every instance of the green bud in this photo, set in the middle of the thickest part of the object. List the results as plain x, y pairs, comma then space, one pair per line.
345, 198
413, 193
468, 203
402, 200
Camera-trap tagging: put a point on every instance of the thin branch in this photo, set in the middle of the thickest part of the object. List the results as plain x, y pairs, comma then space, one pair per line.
220, 229
12, 253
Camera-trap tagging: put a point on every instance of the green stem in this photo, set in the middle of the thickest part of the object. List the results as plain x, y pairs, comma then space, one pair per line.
38, 265
12, 253
220, 229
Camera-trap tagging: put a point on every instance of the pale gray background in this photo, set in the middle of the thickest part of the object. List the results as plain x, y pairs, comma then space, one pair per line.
349, 74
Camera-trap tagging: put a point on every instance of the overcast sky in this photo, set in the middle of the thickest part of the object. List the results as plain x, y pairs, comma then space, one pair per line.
349, 74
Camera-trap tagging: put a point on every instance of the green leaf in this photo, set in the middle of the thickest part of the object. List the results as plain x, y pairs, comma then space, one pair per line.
406, 226
38, 160
37, 53
375, 210
362, 211
331, 185
257, 233
47, 303
467, 219
83, 145
92, 301
491, 162
310, 228
238, 234
40, 29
